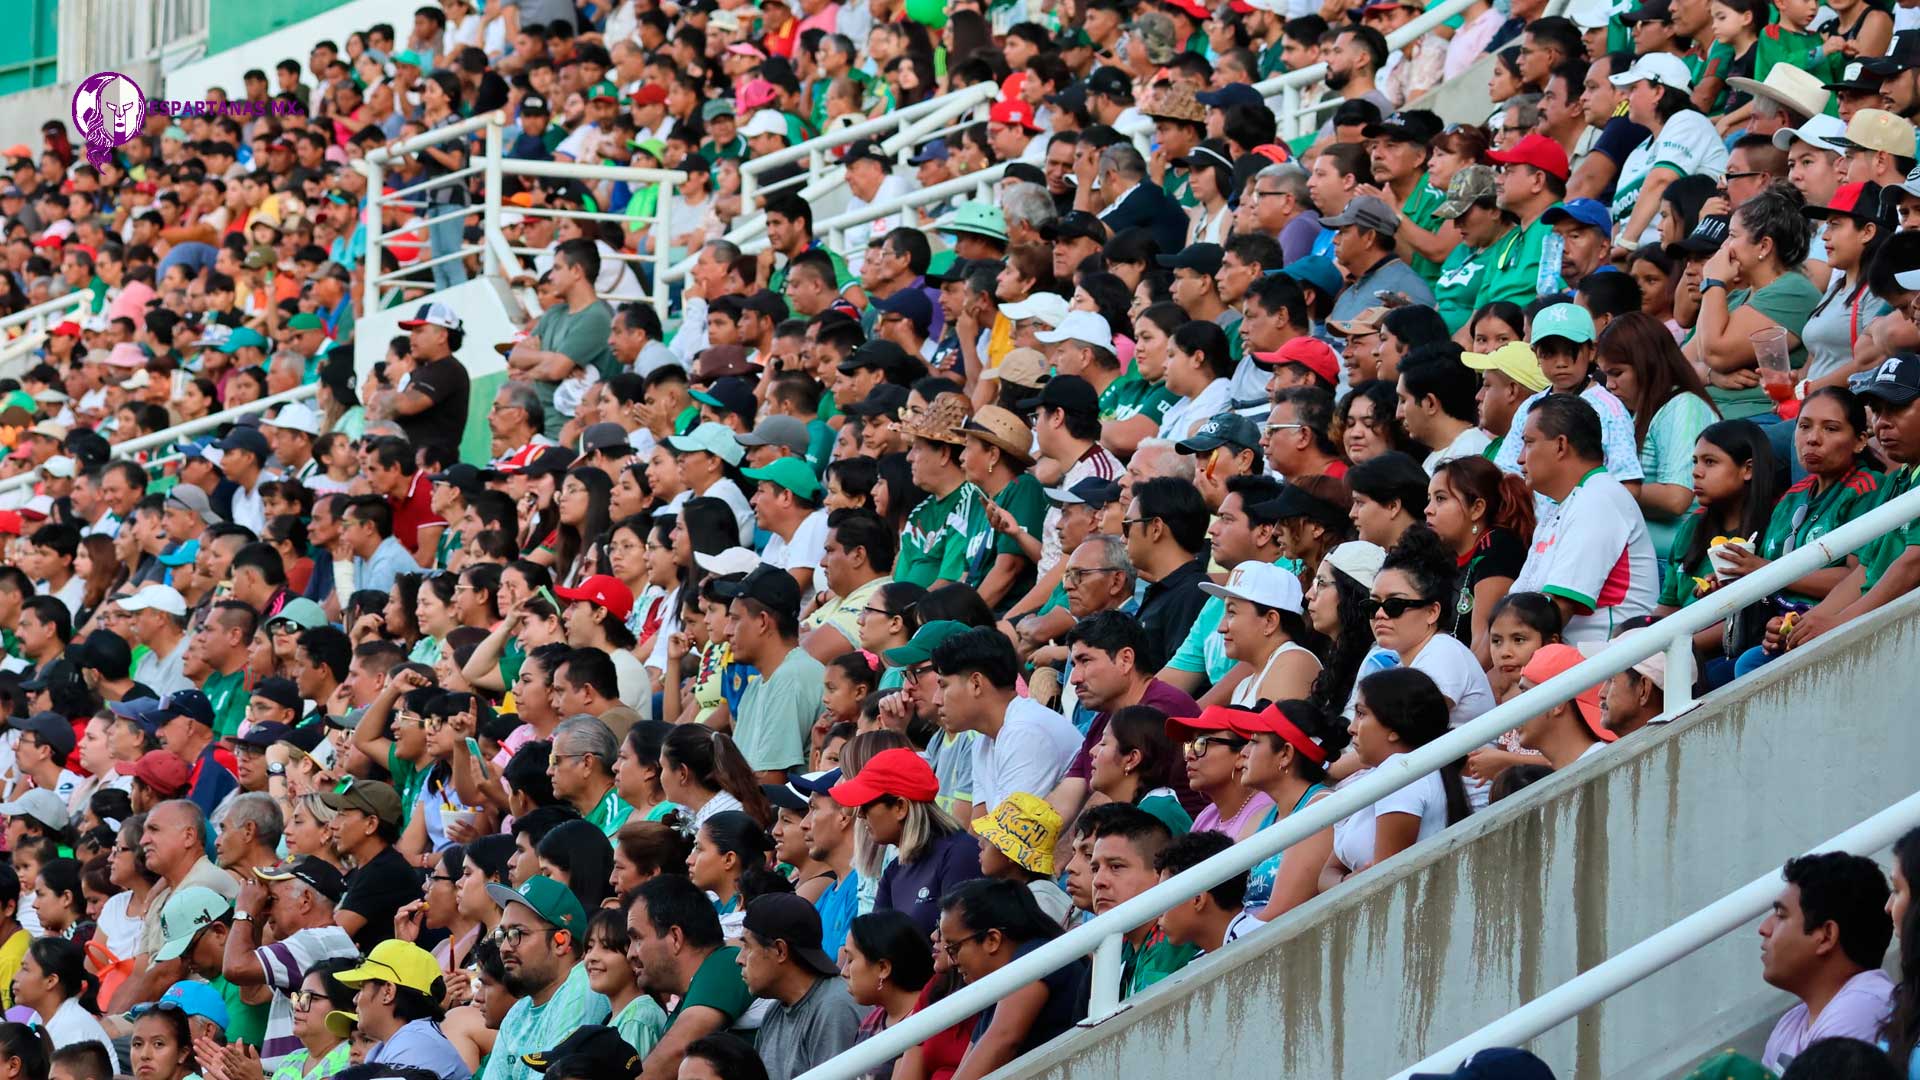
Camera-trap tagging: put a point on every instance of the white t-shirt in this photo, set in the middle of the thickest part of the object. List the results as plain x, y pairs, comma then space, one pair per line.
1468, 443
805, 550
856, 237
1031, 753
72, 1024
636, 688
1595, 552
120, 930
1425, 798
1454, 669
1187, 413
1687, 144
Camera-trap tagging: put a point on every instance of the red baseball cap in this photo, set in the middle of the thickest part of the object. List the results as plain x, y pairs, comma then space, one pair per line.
163, 772
1310, 353
66, 329
1013, 112
1538, 151
900, 772
1551, 660
10, 523
1271, 721
1211, 718
1192, 8
650, 94
602, 591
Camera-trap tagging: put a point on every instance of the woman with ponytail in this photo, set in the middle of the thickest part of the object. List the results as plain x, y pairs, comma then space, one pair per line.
1484, 515
703, 772
1396, 711
53, 981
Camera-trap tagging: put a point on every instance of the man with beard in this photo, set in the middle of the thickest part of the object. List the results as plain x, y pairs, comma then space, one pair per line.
542, 937
674, 943
1353, 63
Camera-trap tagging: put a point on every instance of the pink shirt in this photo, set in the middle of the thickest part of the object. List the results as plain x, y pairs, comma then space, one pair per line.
824, 19
1209, 820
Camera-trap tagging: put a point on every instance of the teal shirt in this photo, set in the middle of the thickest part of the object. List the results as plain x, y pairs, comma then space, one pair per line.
529, 1028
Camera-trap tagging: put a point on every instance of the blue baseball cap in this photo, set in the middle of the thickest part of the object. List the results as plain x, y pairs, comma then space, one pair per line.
191, 704
138, 710
932, 151
1230, 95
1317, 271
820, 784
191, 997
1589, 212
181, 555
1570, 321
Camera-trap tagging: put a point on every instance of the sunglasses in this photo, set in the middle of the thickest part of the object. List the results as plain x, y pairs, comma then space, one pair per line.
1394, 606
1198, 747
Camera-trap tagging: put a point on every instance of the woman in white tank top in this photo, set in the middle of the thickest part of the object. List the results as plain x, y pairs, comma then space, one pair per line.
1264, 617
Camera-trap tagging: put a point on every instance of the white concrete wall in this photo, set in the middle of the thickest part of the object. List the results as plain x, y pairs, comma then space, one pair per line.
1367, 980
190, 81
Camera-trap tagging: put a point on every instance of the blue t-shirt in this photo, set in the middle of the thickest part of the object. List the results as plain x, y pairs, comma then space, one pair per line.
211, 782
837, 907
422, 1045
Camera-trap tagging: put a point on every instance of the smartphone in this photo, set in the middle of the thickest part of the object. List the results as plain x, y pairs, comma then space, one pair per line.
479, 757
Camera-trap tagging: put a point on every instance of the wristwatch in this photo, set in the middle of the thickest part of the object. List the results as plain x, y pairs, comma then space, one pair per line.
276, 768
1711, 283
242, 916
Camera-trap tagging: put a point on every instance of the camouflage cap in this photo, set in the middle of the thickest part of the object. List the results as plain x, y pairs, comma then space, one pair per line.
1156, 32
1470, 185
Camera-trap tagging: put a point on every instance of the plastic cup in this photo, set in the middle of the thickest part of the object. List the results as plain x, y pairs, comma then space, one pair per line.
1771, 350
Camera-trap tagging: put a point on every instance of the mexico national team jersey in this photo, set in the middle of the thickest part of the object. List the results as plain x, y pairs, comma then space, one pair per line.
1596, 553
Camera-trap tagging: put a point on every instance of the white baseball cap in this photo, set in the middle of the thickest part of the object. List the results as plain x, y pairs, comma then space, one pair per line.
140, 381
62, 466
765, 122
1359, 560
1821, 131
295, 416
1663, 68
1049, 308
1260, 583
734, 560
432, 315
1589, 14
158, 598
1083, 326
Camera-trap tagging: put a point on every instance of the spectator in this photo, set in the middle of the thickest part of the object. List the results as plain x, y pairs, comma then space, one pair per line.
776, 712
1571, 730
542, 935
813, 1017
1165, 526
1397, 710
1824, 943
676, 948
894, 795
397, 994
1020, 745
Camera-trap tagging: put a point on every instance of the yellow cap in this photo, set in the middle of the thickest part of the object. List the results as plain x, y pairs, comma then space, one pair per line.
341, 1023
399, 962
1515, 360
1025, 829
1881, 131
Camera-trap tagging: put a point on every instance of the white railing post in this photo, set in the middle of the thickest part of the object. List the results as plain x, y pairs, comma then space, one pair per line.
662, 253
1680, 676
1108, 963
749, 183
490, 205
370, 278
1289, 112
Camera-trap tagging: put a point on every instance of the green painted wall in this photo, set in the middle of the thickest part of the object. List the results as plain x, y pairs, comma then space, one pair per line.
27, 56
236, 22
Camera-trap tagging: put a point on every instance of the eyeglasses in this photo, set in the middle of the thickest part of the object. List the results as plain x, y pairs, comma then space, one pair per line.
919, 671
443, 878
302, 1000
555, 759
1394, 606
1074, 577
952, 948
1127, 524
1269, 428
512, 936
406, 720
1199, 747
1743, 175
880, 611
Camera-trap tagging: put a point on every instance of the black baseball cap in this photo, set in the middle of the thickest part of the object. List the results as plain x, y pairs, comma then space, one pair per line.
878, 353
1110, 81
792, 919
1204, 258
261, 736
1295, 502
280, 690
784, 797
534, 104
322, 875
50, 728
1226, 429
732, 394
1069, 393
865, 150
1073, 225
1707, 237
1896, 381
768, 586
104, 651
595, 1050
1411, 126
885, 399
461, 475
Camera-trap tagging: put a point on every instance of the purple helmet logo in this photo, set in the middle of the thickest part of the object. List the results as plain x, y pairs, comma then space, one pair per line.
108, 110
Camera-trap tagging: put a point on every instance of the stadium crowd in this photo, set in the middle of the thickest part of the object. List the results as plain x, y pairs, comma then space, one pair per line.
781, 668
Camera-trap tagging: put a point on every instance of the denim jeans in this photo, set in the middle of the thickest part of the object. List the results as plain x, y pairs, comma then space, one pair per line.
444, 238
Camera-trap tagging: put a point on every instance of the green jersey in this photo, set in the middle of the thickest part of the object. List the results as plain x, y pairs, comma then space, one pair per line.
1804, 515
1880, 554
1458, 284
943, 536
1419, 208
1522, 265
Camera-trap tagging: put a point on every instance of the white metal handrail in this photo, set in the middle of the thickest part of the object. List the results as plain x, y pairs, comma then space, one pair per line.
1102, 935
1288, 85
878, 127
1663, 949
661, 222
35, 323
169, 436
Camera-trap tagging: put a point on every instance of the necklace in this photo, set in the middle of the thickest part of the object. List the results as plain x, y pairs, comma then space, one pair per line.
1244, 800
